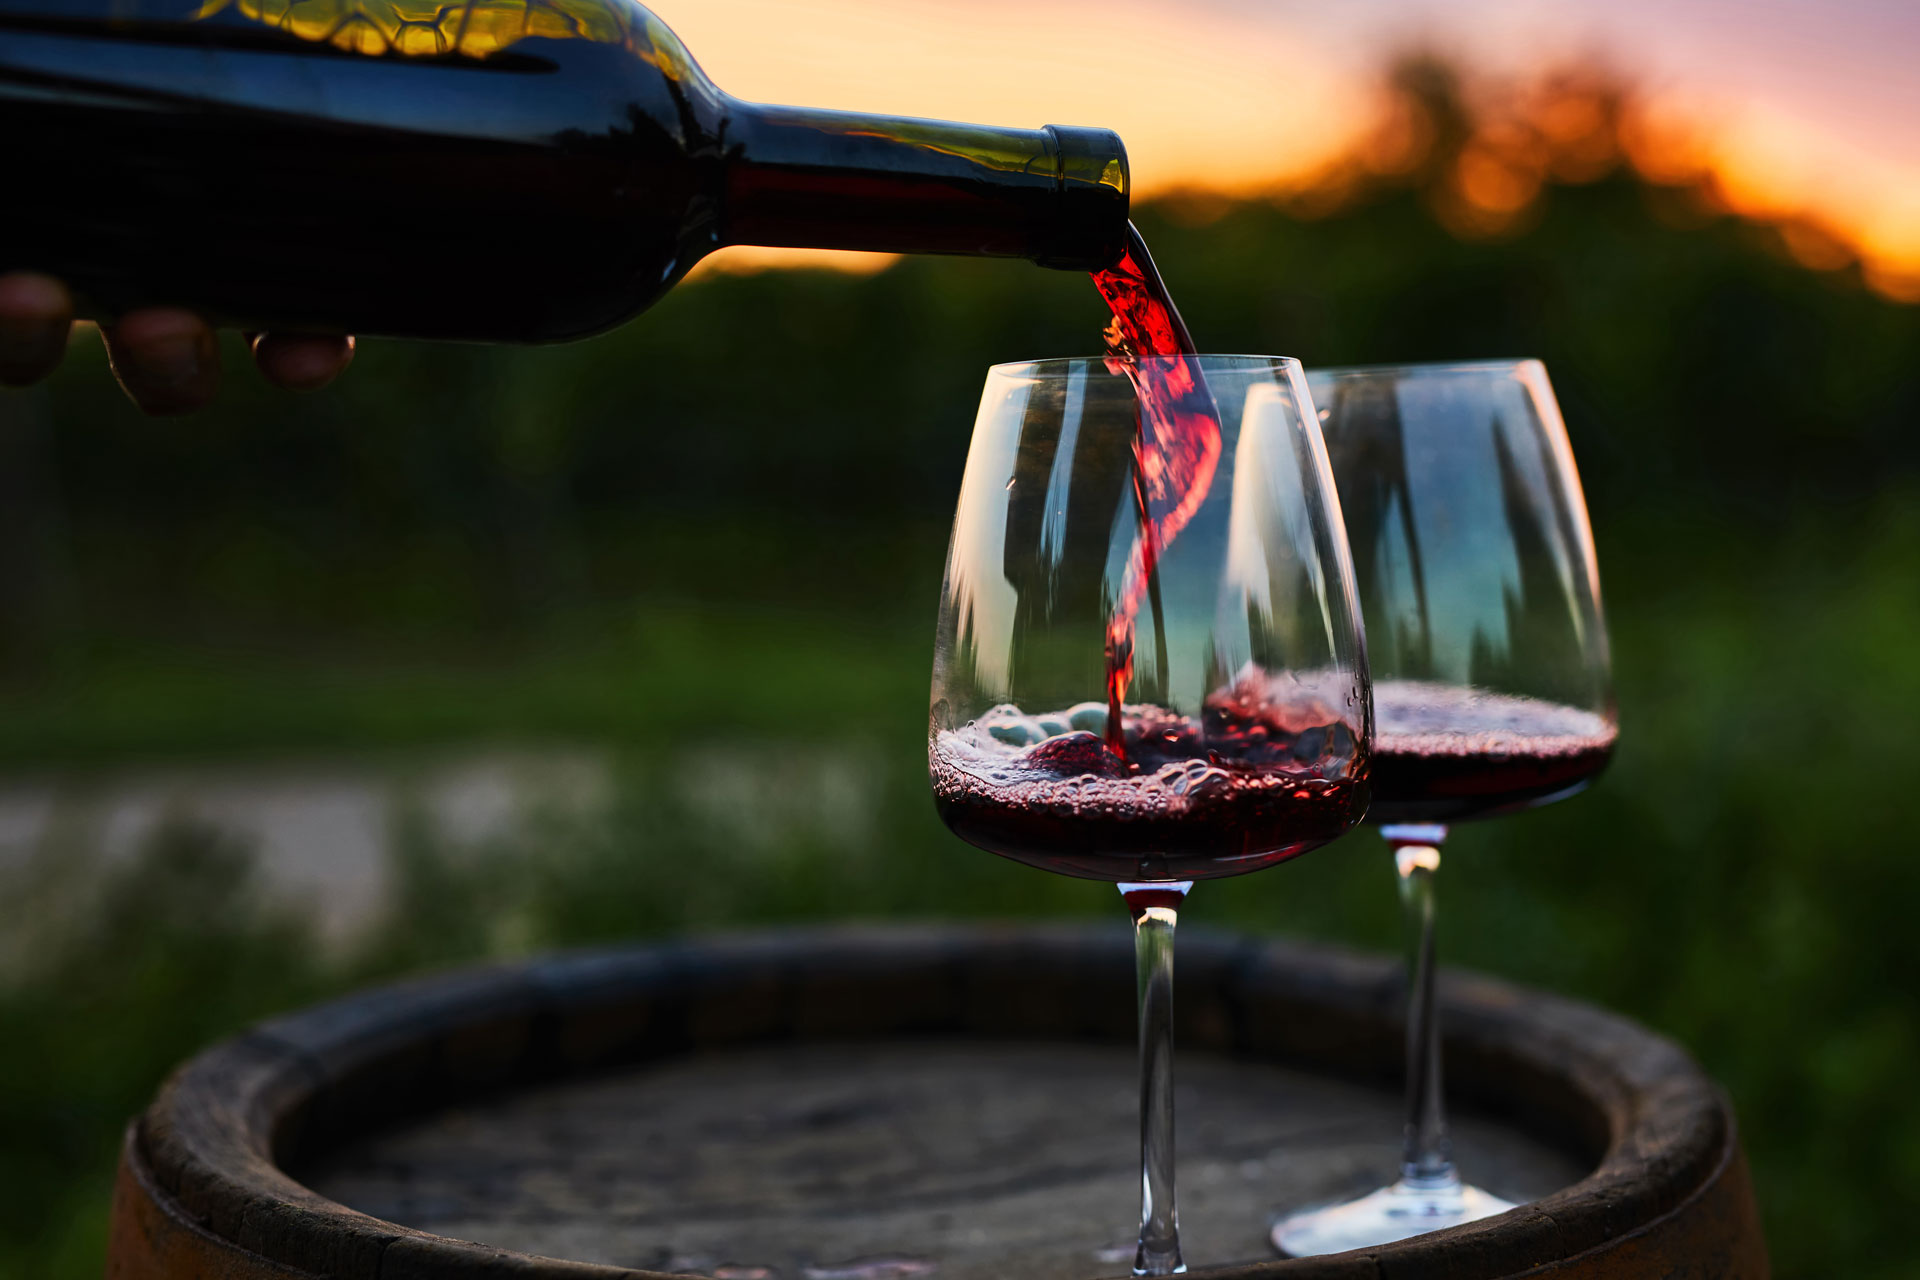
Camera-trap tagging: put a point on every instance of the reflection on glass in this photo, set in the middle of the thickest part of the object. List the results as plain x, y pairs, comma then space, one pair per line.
1492, 690
472, 27
1244, 731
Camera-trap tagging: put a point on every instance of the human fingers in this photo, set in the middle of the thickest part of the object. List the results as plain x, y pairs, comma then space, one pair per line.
302, 361
36, 313
167, 359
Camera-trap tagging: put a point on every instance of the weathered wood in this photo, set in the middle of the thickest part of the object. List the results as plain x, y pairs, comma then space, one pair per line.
960, 1096
153, 1239
964, 1152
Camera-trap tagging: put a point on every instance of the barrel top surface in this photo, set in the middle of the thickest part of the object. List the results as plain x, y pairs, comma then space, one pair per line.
805, 1160
876, 1104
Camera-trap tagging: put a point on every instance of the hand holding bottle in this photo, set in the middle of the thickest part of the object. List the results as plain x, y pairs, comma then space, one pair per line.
166, 358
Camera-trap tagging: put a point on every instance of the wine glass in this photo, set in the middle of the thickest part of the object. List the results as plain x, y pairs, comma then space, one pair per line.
1149, 667
1492, 689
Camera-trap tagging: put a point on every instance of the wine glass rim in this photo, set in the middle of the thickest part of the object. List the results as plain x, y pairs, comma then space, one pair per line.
1429, 368
1063, 366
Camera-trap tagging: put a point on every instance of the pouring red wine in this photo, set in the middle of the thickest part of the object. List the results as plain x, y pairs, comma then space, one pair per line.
1137, 792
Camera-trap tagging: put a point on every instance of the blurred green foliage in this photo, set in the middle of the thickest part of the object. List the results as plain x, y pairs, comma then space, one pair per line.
723, 524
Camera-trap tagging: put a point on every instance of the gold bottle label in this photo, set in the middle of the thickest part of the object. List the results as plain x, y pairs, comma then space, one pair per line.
472, 27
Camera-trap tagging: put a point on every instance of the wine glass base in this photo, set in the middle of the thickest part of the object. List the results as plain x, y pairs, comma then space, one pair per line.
1150, 1262
1398, 1212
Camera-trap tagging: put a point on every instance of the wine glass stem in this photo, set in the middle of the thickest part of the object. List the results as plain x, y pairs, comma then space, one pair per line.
1427, 1157
1155, 913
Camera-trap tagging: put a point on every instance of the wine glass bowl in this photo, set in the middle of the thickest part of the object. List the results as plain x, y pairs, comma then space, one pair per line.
1478, 581
1243, 737
1149, 667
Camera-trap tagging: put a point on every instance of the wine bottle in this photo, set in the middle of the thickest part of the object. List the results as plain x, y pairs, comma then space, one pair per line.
496, 170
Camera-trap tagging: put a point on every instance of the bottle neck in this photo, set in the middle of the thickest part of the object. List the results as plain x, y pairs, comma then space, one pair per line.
841, 180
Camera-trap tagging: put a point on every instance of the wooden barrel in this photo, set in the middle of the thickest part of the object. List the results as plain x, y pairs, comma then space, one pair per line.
904, 1103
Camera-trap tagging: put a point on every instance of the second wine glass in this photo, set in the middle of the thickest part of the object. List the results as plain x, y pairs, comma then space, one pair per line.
1149, 667
1492, 689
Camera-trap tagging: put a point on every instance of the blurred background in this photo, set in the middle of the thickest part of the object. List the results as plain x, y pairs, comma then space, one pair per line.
484, 651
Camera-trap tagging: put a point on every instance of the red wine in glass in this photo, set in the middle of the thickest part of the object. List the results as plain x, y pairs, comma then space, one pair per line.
1260, 776
1445, 754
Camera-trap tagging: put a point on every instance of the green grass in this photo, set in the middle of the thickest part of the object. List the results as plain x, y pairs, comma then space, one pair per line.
660, 672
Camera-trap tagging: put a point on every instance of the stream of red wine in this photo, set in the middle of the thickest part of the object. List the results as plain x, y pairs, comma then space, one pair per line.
1177, 446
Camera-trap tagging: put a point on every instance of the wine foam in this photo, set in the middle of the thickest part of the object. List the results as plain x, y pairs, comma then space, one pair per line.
1422, 718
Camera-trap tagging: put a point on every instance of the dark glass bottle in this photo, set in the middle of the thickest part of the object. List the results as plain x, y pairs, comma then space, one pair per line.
505, 170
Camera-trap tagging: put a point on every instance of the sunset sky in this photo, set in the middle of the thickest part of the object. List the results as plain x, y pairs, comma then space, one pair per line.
1801, 108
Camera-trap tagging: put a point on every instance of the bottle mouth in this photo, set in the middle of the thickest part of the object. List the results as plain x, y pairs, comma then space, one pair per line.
1089, 230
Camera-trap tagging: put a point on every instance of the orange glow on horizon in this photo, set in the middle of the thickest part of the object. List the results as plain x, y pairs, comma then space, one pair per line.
1211, 101
1202, 99
740, 259
1831, 203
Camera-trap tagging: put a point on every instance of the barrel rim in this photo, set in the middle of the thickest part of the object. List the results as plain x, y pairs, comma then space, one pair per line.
217, 1138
